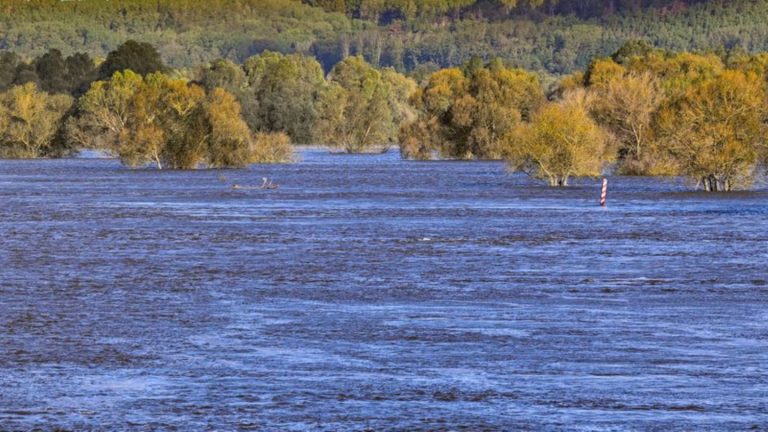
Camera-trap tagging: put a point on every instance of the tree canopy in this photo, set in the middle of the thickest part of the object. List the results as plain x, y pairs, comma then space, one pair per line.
355, 109
170, 123
139, 57
466, 113
561, 141
29, 121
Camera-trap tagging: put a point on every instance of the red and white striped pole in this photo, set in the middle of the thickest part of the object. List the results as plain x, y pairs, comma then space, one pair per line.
604, 193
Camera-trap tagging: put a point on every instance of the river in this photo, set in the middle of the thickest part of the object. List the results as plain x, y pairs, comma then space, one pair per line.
370, 293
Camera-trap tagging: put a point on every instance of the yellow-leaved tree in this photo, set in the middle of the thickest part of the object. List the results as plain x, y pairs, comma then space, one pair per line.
716, 130
561, 141
465, 114
29, 120
625, 105
167, 122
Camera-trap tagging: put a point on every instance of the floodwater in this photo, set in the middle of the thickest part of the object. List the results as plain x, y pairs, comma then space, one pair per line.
368, 293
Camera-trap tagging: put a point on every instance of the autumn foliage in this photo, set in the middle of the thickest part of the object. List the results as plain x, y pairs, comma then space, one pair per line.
29, 120
466, 114
169, 123
561, 141
642, 111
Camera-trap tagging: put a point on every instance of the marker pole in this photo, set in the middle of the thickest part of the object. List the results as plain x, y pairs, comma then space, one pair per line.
604, 193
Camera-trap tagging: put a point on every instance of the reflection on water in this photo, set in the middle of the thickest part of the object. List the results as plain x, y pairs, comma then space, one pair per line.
368, 292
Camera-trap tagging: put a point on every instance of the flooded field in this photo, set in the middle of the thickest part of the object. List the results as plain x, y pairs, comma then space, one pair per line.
368, 293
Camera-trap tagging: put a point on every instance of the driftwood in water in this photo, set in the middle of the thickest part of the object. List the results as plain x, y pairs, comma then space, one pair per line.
266, 184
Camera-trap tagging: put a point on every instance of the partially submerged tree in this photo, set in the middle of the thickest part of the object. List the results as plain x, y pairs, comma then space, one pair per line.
400, 88
716, 131
103, 111
284, 92
271, 147
277, 92
625, 105
170, 123
465, 115
560, 142
29, 120
355, 113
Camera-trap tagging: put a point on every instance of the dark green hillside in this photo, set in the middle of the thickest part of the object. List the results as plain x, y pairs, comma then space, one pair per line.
548, 35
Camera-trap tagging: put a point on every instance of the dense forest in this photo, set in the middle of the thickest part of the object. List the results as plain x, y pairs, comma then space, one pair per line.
553, 36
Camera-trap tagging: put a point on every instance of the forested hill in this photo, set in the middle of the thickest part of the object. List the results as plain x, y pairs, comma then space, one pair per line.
390, 10
556, 36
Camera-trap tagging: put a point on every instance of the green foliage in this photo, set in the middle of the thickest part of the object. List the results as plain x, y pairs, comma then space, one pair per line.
287, 89
186, 33
398, 98
141, 58
51, 72
554, 36
355, 111
278, 92
9, 61
633, 49
225, 74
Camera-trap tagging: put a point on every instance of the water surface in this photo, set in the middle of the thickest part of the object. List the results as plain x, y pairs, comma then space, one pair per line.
372, 293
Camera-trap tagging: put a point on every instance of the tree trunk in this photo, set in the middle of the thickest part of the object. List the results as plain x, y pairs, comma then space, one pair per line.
716, 183
723, 184
558, 181
344, 46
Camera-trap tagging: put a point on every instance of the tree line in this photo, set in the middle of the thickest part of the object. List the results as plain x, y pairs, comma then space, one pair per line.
220, 114
130, 105
642, 111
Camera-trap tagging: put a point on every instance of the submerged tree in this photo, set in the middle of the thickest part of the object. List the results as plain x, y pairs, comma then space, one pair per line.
466, 115
170, 123
272, 147
103, 111
560, 142
355, 112
715, 132
400, 88
285, 92
277, 92
625, 105
29, 120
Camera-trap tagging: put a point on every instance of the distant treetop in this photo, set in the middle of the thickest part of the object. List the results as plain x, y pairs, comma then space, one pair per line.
138, 57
